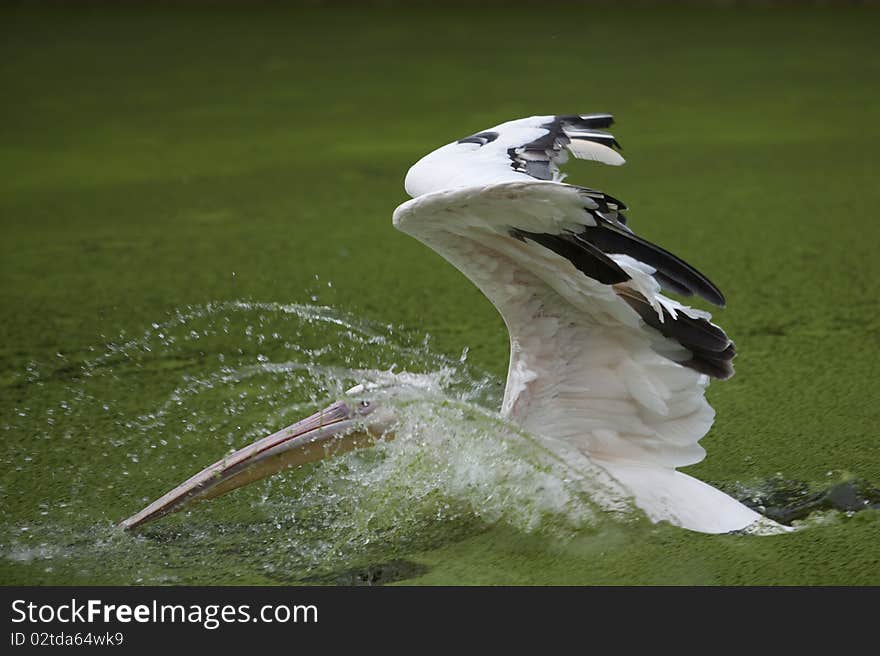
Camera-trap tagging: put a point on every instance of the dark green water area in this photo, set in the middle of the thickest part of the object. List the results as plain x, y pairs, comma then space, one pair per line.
197, 249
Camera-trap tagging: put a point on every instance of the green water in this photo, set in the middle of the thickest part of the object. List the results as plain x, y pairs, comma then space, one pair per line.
172, 180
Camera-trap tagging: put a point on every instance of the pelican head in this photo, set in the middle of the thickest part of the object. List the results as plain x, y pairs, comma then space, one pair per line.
360, 420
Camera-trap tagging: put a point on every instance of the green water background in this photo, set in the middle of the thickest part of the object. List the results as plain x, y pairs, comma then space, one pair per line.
157, 159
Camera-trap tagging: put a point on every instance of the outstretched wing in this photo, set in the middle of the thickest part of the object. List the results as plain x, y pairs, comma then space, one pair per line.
598, 354
579, 135
517, 151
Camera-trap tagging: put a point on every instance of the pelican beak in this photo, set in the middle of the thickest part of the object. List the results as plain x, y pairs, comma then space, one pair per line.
336, 429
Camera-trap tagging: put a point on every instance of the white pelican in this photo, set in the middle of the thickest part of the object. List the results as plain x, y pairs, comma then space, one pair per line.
598, 355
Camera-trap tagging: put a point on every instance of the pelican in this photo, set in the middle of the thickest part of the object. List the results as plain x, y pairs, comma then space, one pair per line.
599, 356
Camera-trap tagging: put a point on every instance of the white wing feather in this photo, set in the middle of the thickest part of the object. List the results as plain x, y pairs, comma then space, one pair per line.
584, 367
582, 362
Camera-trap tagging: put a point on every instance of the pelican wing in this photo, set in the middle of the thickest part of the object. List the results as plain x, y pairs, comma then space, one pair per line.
598, 354
578, 135
517, 151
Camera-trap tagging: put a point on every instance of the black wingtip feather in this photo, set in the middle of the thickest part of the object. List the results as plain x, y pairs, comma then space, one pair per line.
710, 347
718, 369
672, 285
586, 258
587, 121
611, 239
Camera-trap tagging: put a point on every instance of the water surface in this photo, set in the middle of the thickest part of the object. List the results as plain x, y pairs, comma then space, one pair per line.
197, 250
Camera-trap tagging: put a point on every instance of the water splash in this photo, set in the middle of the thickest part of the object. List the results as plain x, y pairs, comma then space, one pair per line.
124, 423
112, 427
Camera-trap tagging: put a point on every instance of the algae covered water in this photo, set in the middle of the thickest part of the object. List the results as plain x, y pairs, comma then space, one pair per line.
455, 470
454, 467
197, 250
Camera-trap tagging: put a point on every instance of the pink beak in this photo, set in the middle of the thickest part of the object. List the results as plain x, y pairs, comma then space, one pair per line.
336, 429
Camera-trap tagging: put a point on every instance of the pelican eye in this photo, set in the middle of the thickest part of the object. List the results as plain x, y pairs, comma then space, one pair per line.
365, 404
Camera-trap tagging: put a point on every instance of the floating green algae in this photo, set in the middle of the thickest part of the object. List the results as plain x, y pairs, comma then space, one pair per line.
161, 164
